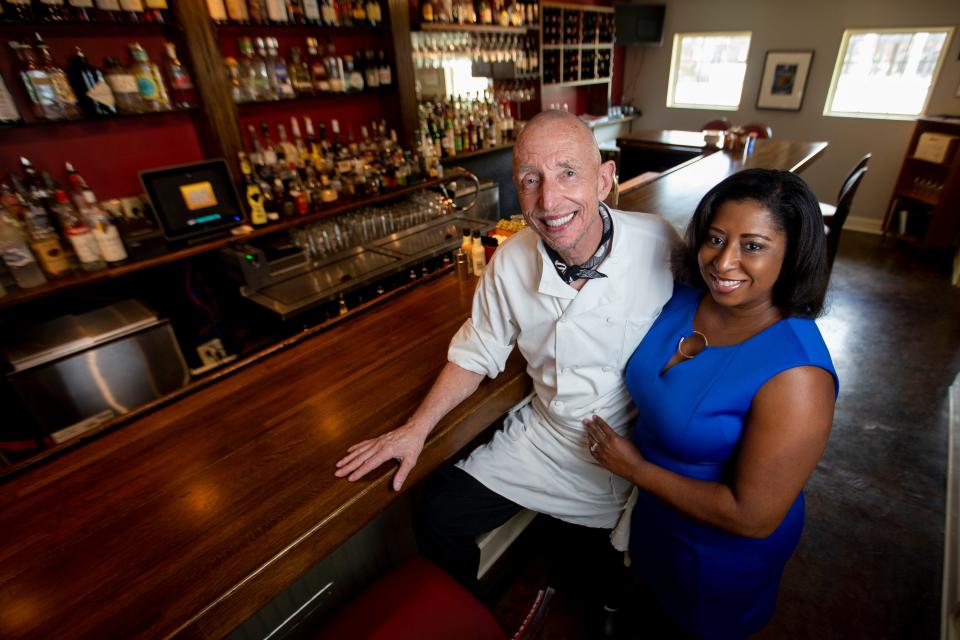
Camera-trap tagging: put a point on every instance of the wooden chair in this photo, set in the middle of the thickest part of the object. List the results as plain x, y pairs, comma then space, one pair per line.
834, 224
721, 124
762, 130
418, 601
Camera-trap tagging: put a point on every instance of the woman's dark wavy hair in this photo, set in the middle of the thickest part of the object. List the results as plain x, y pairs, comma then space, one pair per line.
802, 284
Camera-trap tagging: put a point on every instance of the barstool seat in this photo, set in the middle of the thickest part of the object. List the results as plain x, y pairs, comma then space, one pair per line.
419, 601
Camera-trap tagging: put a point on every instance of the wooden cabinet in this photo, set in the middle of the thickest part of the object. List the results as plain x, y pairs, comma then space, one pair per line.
577, 45
925, 207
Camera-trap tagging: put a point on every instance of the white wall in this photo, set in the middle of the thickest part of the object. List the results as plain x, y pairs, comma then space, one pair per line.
802, 25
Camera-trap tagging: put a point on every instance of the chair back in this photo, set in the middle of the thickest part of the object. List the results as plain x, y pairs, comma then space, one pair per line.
721, 124
835, 222
853, 172
762, 130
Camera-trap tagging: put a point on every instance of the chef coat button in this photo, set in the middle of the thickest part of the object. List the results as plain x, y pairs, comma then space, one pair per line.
609, 320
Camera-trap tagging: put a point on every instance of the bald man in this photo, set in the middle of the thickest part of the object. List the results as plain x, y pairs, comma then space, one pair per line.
575, 291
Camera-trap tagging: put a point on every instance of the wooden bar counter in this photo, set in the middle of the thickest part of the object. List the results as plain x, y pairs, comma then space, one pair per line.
190, 518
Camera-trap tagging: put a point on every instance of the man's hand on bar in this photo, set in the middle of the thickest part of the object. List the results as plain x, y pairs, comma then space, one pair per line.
403, 444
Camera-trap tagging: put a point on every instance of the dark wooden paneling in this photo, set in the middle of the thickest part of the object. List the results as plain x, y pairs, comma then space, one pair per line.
403, 68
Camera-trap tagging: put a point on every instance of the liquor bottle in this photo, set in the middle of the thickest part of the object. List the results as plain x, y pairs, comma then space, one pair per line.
252, 192
8, 108
39, 85
124, 87
78, 233
485, 12
311, 12
278, 70
44, 241
258, 11
300, 74
81, 10
371, 70
294, 11
358, 12
58, 77
318, 70
133, 10
345, 12
150, 82
329, 14
105, 232
262, 77
352, 74
277, 11
237, 11
302, 152
287, 153
374, 13
157, 12
51, 11
427, 13
269, 154
96, 97
335, 72
108, 11
217, 10
20, 261
18, 11
182, 93
386, 73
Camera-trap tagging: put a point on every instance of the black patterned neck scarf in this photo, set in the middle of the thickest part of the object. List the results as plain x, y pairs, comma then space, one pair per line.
589, 268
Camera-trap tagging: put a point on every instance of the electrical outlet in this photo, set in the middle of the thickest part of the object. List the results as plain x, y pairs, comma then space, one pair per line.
132, 207
212, 352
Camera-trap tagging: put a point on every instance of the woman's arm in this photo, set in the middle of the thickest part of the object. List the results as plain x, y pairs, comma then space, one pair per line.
785, 435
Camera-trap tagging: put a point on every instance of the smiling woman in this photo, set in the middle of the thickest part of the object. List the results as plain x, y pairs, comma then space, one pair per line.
735, 391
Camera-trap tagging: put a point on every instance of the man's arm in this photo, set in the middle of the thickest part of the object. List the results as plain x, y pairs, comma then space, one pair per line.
454, 385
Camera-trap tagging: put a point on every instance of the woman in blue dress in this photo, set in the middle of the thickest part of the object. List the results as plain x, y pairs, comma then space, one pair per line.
735, 392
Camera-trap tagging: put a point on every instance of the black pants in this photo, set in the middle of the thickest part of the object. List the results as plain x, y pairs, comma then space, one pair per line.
457, 507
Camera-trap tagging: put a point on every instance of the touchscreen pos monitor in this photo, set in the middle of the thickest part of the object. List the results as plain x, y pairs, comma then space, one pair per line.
193, 201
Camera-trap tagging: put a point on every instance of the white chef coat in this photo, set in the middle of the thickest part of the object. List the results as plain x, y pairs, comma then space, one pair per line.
576, 344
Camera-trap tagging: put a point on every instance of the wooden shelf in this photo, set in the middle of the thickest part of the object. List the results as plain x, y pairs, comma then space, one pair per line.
320, 96
79, 24
230, 28
578, 83
88, 119
918, 197
931, 163
17, 297
475, 28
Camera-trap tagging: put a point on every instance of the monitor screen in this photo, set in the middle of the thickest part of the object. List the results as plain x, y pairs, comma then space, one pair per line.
193, 200
639, 23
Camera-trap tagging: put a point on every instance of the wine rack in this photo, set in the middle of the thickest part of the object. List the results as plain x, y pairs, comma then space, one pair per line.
577, 45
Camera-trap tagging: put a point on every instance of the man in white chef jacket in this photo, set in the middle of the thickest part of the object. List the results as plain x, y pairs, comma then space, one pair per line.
575, 291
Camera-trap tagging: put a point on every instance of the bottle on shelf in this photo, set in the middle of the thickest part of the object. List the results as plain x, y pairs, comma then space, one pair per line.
258, 12
182, 92
371, 70
311, 12
43, 239
18, 11
217, 10
153, 89
126, 93
252, 193
109, 11
478, 255
105, 232
51, 11
329, 14
157, 11
95, 95
38, 84
277, 12
277, 68
61, 84
335, 70
133, 11
374, 13
237, 11
353, 76
9, 114
262, 75
386, 73
318, 68
427, 13
300, 74
78, 232
17, 255
81, 10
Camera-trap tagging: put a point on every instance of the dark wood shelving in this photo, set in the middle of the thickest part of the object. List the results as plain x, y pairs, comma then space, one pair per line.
475, 28
320, 96
229, 28
17, 297
931, 202
89, 119
75, 24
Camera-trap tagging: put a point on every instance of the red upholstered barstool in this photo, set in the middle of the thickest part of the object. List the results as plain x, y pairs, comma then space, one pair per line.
722, 124
762, 130
418, 601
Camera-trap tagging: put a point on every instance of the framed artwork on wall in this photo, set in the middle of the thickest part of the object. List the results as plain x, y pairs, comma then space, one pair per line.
784, 79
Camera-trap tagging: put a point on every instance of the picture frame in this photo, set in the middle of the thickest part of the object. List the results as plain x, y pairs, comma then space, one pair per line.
784, 80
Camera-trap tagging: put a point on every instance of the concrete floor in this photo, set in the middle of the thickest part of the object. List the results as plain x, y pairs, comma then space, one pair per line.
869, 562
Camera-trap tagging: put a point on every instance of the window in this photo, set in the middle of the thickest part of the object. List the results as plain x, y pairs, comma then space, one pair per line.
886, 73
706, 71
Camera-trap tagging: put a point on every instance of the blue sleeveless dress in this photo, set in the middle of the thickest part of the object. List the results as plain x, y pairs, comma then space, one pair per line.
713, 583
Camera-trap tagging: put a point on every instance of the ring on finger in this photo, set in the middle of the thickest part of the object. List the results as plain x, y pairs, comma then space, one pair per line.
594, 446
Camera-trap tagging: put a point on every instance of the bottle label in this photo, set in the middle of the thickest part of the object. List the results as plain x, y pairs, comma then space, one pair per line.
63, 89
84, 244
311, 10
258, 215
122, 83
276, 11
52, 256
8, 108
17, 257
131, 5
237, 9
111, 246
386, 75
147, 88
101, 93
82, 4
108, 5
180, 80
55, 3
356, 81
218, 12
374, 13
156, 4
329, 15
41, 87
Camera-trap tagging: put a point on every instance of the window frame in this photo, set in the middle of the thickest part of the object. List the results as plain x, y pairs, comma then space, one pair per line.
838, 66
675, 68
